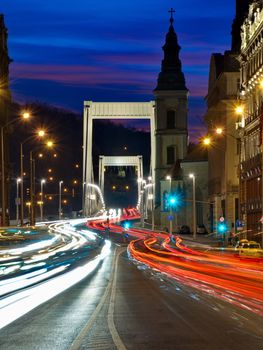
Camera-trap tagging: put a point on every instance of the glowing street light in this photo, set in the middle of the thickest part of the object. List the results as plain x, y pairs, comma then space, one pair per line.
240, 109
49, 144
206, 141
41, 133
26, 115
219, 131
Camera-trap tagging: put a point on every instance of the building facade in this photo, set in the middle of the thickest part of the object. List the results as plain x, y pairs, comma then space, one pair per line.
5, 100
250, 125
224, 151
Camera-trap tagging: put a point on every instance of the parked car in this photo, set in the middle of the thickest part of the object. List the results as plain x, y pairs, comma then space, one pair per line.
184, 230
201, 229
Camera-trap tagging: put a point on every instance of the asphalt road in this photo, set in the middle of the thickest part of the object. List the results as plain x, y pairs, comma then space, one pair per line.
127, 306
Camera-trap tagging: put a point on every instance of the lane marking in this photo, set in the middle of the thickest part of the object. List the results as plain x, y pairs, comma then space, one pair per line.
78, 341
114, 333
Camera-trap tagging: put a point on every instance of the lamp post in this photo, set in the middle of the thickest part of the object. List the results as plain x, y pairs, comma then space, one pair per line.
83, 198
24, 116
151, 196
42, 182
48, 144
40, 133
192, 176
170, 206
59, 199
18, 181
142, 208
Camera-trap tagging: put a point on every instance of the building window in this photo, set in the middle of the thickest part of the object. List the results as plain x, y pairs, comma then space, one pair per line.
171, 120
170, 155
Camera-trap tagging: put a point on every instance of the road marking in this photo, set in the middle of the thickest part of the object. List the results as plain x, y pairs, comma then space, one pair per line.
110, 289
78, 341
114, 333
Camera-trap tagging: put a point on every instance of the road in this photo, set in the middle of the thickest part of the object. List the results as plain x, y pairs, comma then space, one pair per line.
125, 305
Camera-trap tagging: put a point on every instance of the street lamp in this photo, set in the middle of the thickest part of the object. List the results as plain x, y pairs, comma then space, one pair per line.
168, 178
142, 208
59, 199
151, 197
206, 141
18, 181
40, 133
24, 116
83, 197
48, 144
192, 176
42, 182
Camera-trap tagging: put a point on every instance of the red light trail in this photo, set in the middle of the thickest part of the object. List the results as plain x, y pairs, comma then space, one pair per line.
227, 276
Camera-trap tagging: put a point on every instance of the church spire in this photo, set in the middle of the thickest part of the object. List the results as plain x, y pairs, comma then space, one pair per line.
171, 76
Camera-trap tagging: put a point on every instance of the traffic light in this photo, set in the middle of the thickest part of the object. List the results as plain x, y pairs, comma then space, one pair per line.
127, 225
222, 228
173, 200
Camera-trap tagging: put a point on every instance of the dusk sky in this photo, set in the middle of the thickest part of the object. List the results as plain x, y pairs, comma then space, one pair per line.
66, 52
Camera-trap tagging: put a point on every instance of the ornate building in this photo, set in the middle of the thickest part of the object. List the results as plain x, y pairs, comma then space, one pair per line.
171, 104
250, 125
5, 99
224, 152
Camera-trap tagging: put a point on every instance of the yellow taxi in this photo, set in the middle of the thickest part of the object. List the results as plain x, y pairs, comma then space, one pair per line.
250, 248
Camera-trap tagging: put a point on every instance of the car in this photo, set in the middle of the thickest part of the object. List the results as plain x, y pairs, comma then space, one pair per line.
249, 248
243, 243
184, 230
201, 229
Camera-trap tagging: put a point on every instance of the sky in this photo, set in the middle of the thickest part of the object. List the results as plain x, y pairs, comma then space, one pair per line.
65, 52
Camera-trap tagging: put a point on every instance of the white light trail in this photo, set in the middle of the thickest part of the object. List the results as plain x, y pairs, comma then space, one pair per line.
21, 303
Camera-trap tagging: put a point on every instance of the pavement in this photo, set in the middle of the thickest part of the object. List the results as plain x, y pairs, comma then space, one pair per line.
202, 240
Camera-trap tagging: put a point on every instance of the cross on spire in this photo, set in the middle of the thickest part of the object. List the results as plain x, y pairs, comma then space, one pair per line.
172, 11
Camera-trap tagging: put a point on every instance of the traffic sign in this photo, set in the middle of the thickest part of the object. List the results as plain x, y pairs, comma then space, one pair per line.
221, 219
170, 217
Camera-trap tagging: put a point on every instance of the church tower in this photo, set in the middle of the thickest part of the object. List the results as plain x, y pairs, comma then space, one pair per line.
171, 100
241, 13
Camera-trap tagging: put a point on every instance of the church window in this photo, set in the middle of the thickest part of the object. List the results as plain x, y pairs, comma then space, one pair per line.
170, 155
171, 120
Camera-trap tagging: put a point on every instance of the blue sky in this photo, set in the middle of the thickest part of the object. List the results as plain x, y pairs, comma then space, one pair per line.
68, 51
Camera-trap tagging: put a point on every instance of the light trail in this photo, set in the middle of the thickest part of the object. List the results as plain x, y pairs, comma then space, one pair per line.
229, 277
21, 303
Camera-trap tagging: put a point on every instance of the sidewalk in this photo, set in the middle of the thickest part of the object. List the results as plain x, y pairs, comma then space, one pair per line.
206, 241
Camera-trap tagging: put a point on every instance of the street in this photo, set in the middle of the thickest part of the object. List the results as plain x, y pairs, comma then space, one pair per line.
123, 305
